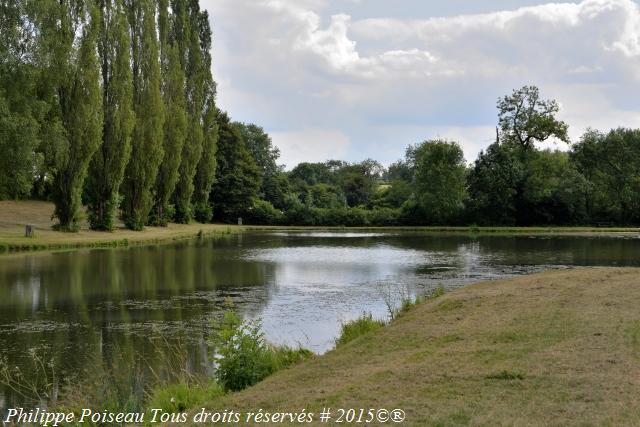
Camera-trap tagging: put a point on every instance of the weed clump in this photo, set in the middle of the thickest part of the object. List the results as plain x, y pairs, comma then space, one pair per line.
437, 292
358, 327
243, 355
179, 397
506, 375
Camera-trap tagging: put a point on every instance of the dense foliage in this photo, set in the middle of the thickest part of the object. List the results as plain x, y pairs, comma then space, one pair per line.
107, 108
147, 150
108, 164
244, 357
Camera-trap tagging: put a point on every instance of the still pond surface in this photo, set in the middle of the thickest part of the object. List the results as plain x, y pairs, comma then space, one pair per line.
85, 308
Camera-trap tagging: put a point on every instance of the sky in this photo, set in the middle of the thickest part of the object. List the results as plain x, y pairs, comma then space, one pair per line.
357, 79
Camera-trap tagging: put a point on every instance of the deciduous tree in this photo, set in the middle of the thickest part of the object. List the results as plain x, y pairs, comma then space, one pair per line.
524, 118
175, 125
68, 32
147, 140
440, 181
109, 162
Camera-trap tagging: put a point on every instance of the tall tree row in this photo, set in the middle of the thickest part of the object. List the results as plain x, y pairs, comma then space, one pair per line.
108, 105
187, 36
206, 169
147, 143
69, 31
175, 125
109, 162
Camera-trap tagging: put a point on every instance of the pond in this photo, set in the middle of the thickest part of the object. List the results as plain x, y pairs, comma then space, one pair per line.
71, 311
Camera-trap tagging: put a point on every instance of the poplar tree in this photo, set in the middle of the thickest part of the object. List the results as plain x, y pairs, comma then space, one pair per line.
147, 138
206, 173
109, 162
175, 126
187, 35
206, 170
68, 31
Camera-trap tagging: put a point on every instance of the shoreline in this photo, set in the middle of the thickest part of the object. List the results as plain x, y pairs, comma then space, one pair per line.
559, 347
49, 240
15, 215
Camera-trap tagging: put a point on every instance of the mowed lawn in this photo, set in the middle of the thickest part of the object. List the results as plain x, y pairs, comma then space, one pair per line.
14, 215
556, 348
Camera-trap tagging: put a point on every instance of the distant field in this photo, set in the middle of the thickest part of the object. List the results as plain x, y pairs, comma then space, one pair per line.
14, 215
558, 348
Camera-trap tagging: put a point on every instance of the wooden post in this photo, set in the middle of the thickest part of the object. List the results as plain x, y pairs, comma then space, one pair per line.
28, 230
239, 221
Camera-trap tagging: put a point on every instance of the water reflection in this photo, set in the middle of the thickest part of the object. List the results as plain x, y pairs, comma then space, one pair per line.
87, 306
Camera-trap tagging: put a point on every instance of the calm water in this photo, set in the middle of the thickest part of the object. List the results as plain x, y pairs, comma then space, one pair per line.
79, 309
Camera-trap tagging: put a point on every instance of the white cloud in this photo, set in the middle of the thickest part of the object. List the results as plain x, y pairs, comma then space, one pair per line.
310, 145
374, 84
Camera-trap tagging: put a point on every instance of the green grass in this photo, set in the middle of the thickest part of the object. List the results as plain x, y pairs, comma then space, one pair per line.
14, 215
506, 375
356, 328
556, 348
179, 397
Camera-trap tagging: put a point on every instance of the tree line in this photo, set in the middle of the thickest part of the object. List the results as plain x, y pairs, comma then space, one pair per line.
108, 105
107, 108
513, 182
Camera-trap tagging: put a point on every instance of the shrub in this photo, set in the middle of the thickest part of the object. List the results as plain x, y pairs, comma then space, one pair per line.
344, 217
340, 217
353, 329
302, 215
384, 217
411, 213
243, 355
263, 213
437, 292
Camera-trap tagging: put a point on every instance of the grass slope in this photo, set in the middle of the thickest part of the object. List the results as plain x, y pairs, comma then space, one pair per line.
556, 348
14, 215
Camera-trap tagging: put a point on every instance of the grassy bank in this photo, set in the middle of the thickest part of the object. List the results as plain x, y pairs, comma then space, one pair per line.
14, 215
557, 348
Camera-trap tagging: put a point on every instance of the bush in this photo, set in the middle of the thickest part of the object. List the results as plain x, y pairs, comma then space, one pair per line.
353, 329
244, 357
302, 215
263, 213
384, 217
343, 217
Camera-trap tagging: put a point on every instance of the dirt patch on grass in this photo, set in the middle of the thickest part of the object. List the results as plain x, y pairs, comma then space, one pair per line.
557, 348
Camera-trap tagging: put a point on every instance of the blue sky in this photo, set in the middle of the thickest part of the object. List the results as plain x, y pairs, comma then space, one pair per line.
353, 79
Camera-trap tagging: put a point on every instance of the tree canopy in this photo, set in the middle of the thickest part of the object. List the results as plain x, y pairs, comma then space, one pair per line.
524, 118
109, 108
